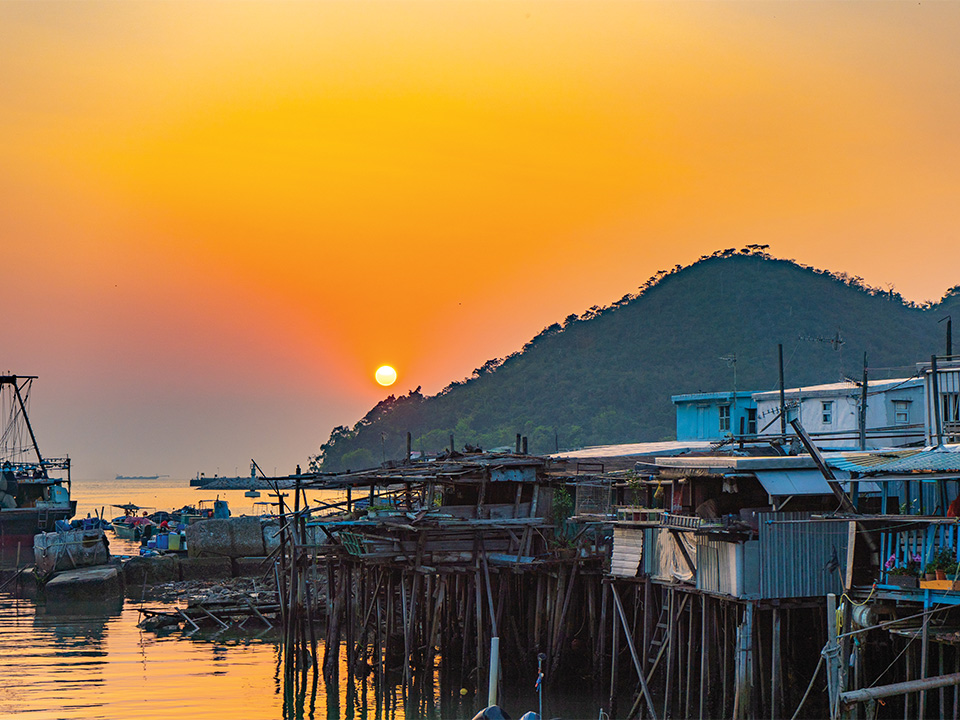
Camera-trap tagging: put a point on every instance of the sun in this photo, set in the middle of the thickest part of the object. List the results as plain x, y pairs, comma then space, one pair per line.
386, 375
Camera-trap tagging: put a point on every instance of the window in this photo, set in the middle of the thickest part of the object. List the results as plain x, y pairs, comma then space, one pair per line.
826, 416
901, 412
951, 407
751, 421
724, 418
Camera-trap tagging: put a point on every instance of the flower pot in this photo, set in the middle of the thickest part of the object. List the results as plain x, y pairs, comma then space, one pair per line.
930, 576
941, 574
906, 581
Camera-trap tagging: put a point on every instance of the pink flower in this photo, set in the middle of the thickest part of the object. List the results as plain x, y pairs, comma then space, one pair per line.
891, 561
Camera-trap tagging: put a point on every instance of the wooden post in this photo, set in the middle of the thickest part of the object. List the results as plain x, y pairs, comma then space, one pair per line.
775, 667
924, 651
615, 651
671, 629
689, 656
833, 653
478, 603
704, 651
647, 620
600, 660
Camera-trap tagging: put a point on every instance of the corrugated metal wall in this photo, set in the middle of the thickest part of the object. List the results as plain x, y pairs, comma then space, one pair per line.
627, 551
718, 567
800, 557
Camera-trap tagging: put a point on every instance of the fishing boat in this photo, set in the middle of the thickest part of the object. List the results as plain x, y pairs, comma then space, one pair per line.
129, 526
34, 490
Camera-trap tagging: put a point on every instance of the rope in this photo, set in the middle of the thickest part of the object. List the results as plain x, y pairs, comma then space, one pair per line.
809, 687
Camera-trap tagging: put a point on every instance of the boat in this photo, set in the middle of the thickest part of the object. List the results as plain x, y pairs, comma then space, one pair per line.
252, 493
34, 490
140, 477
129, 526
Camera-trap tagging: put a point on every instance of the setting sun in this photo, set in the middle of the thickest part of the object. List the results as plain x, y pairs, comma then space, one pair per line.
386, 375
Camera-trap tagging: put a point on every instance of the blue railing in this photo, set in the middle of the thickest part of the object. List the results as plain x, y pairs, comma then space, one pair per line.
919, 545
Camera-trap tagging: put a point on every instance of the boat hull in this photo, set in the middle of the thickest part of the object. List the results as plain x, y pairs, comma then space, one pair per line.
19, 525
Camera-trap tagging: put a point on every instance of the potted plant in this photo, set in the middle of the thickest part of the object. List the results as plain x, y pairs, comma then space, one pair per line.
930, 571
946, 559
903, 575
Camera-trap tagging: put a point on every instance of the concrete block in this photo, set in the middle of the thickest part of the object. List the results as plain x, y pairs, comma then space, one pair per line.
84, 585
206, 568
271, 536
153, 570
251, 567
229, 537
247, 537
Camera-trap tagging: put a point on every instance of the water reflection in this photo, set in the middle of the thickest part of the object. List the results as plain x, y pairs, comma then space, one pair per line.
101, 665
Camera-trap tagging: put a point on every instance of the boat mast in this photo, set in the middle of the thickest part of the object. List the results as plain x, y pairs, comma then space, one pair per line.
15, 382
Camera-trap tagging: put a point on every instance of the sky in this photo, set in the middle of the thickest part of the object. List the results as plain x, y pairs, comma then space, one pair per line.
219, 218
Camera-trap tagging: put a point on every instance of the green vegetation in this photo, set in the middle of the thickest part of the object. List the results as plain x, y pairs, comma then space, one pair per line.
607, 376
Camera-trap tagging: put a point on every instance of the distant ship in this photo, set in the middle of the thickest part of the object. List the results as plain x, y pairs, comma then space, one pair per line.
140, 477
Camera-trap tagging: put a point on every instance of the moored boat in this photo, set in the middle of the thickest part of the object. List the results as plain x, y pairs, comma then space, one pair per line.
34, 490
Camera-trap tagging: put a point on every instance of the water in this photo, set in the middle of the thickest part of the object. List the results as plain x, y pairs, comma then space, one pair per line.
99, 664
102, 666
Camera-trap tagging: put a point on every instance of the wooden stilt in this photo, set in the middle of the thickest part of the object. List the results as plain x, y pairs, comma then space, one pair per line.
671, 629
704, 652
775, 667
615, 652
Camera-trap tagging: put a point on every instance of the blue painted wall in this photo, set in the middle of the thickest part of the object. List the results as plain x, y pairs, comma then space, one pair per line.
698, 415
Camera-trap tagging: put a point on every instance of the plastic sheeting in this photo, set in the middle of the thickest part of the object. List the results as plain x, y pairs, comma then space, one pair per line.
673, 564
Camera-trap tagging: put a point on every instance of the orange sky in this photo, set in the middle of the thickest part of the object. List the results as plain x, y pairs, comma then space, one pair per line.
219, 219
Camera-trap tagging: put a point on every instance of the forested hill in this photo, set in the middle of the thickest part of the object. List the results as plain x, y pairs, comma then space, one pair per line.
607, 375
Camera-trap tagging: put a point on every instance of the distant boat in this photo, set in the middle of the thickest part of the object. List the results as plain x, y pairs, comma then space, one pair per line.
140, 477
252, 493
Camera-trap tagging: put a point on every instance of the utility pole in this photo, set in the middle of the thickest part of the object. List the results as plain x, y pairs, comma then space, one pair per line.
863, 406
949, 335
783, 402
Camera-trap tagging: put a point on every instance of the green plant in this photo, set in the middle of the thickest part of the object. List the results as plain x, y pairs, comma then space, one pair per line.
931, 568
903, 571
946, 560
562, 505
634, 488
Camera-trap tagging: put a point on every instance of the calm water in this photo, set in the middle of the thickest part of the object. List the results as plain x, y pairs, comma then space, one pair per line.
101, 665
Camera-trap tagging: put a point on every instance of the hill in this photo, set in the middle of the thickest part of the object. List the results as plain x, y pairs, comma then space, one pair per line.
607, 376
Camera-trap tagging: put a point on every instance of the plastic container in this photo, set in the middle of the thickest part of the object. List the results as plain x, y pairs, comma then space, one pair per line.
162, 542
173, 541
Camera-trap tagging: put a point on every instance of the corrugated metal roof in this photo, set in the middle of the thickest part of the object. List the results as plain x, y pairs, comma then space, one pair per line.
945, 459
721, 395
784, 483
840, 388
667, 447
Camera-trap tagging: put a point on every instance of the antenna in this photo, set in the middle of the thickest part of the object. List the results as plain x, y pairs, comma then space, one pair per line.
836, 342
